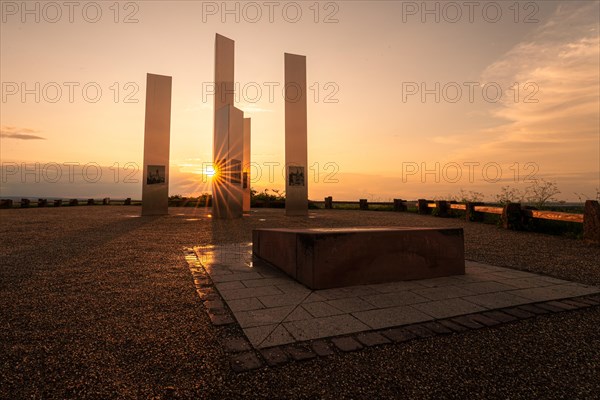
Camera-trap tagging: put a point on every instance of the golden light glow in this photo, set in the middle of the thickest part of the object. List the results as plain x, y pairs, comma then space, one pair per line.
211, 171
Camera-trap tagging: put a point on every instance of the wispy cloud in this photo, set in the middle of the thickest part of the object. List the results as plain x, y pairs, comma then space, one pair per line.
561, 59
12, 132
560, 129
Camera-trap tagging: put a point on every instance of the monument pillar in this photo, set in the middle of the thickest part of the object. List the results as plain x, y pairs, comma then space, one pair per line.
224, 72
227, 183
246, 165
228, 139
296, 158
157, 131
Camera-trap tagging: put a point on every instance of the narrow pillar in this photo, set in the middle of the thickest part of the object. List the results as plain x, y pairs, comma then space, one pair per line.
328, 203
591, 222
511, 216
296, 153
471, 214
227, 135
224, 72
399, 205
246, 165
227, 183
423, 206
363, 204
443, 208
157, 132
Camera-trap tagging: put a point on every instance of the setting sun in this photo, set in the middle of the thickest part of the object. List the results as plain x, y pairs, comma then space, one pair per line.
211, 171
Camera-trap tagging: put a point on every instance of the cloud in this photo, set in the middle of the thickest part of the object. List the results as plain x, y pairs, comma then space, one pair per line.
558, 125
12, 132
560, 62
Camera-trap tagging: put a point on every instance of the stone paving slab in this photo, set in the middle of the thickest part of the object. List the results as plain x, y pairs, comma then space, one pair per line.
316, 328
274, 310
448, 308
392, 316
493, 300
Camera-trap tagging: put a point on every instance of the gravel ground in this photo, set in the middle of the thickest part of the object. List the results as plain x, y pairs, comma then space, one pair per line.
99, 303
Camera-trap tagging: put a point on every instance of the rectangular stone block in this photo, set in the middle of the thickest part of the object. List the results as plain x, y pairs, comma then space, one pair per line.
322, 258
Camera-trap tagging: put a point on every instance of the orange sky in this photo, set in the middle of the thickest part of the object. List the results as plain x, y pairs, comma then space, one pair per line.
371, 129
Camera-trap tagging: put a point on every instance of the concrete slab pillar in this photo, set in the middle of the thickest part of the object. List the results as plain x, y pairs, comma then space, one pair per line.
296, 158
246, 162
157, 132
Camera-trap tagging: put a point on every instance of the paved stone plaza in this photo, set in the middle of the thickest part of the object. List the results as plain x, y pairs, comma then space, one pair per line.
273, 309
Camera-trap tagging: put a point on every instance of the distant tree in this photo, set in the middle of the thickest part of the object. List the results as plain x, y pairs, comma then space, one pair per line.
509, 195
463, 196
469, 197
265, 195
204, 196
279, 195
541, 192
448, 197
583, 196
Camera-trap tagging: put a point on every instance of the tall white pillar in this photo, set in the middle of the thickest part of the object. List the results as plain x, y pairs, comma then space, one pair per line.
228, 135
296, 157
157, 132
227, 184
246, 165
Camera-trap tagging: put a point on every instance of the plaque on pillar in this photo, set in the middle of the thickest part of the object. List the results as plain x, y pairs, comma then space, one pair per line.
296, 159
155, 182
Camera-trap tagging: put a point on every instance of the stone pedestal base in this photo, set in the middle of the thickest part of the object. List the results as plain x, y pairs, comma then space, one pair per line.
327, 258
